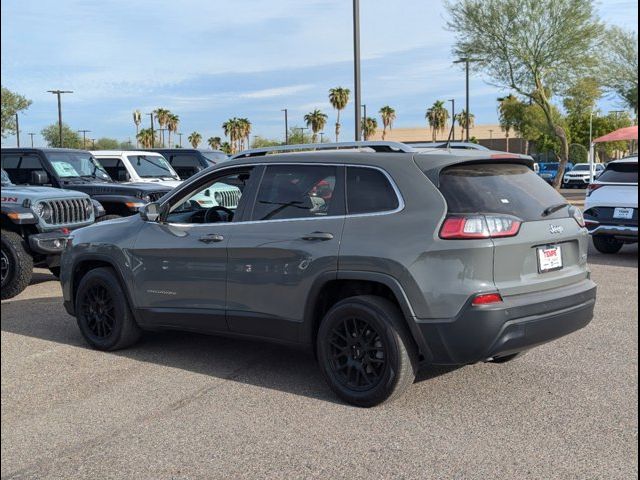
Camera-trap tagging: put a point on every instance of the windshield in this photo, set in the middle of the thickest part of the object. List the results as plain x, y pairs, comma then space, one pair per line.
6, 181
580, 168
76, 165
622, 172
548, 167
214, 157
152, 166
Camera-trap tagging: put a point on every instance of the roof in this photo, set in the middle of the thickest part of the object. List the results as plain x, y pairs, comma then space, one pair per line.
41, 149
627, 133
633, 159
118, 153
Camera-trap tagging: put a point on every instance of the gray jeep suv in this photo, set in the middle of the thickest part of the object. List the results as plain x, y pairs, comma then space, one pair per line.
380, 258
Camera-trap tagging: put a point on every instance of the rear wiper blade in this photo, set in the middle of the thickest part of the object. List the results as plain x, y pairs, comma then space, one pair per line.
554, 208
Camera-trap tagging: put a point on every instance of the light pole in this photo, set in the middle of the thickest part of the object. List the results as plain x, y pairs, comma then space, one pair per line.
591, 148
17, 131
153, 134
31, 135
466, 62
180, 136
286, 125
364, 119
321, 137
491, 138
453, 119
58, 93
356, 68
84, 137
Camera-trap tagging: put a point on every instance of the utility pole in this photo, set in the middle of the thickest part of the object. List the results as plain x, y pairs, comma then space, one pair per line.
364, 119
453, 119
180, 137
84, 137
153, 134
321, 137
356, 68
591, 148
491, 138
17, 131
31, 135
58, 93
286, 125
466, 62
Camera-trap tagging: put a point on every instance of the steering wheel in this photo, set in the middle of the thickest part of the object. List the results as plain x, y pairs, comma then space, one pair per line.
218, 218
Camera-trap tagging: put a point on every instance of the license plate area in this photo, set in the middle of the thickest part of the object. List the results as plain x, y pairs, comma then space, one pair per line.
549, 258
623, 213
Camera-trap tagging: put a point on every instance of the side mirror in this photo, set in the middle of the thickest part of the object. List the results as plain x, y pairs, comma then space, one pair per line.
151, 212
38, 177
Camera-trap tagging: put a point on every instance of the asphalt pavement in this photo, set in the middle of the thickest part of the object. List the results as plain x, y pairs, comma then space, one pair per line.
184, 406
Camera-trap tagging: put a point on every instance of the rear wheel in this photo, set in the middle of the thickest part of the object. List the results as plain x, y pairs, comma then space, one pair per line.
103, 313
17, 265
365, 351
104, 218
608, 245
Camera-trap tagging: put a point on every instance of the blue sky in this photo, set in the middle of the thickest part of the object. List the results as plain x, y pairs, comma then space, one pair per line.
209, 60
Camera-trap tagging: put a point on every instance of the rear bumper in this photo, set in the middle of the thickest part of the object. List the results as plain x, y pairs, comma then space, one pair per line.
618, 231
519, 323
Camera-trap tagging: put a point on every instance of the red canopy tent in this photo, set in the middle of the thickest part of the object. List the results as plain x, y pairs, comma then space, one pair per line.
626, 133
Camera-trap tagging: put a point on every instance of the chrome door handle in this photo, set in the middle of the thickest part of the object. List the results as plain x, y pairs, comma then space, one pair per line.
211, 238
322, 236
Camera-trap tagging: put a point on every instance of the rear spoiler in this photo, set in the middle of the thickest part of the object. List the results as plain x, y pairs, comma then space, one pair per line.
432, 169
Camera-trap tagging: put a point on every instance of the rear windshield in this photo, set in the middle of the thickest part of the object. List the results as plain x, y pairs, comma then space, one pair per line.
620, 173
501, 189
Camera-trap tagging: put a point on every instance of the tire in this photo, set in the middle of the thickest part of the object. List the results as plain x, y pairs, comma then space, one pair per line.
377, 367
17, 265
55, 271
103, 313
607, 245
104, 218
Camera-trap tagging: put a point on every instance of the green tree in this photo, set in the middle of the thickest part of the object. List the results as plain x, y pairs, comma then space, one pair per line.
70, 138
173, 121
232, 130
619, 66
316, 121
388, 116
145, 137
462, 119
369, 127
105, 143
11, 103
581, 97
339, 98
298, 137
194, 139
162, 115
437, 116
259, 142
532, 47
509, 112
214, 143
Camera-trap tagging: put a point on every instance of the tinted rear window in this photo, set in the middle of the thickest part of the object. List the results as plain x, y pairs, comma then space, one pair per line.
620, 173
502, 189
369, 191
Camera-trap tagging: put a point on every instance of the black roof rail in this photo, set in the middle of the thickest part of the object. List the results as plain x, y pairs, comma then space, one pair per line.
376, 146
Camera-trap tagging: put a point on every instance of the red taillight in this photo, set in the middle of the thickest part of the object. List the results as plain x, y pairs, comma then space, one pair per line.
593, 187
479, 226
486, 299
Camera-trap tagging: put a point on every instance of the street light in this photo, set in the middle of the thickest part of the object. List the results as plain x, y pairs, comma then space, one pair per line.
58, 93
153, 134
356, 68
453, 119
17, 131
321, 137
31, 135
466, 61
84, 137
286, 125
180, 136
364, 119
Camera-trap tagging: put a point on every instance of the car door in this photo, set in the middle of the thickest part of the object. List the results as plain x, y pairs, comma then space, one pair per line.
291, 238
180, 262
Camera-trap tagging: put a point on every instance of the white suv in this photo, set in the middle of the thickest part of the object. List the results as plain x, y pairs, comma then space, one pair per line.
579, 176
132, 166
611, 206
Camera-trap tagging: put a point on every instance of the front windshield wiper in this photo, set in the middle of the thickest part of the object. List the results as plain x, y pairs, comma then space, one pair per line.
553, 208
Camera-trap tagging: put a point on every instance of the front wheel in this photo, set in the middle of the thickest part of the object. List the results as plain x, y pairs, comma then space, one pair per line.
102, 311
365, 351
608, 245
17, 265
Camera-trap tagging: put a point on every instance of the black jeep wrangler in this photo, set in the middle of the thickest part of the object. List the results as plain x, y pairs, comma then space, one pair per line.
78, 170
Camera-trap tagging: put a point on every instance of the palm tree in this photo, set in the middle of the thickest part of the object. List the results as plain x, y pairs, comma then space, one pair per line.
145, 137
369, 126
194, 139
162, 115
137, 119
506, 108
244, 131
214, 143
339, 97
437, 116
316, 121
388, 115
172, 125
462, 117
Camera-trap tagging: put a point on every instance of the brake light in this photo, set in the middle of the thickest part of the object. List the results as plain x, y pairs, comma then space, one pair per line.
486, 299
577, 215
593, 187
479, 226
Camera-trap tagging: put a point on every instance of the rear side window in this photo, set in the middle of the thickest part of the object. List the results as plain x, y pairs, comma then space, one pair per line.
298, 191
184, 161
500, 189
620, 173
369, 191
